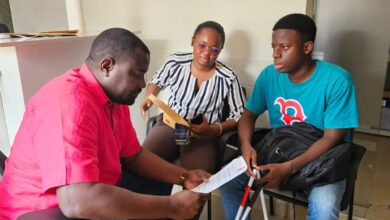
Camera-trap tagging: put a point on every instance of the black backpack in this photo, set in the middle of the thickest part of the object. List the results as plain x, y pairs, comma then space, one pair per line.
287, 142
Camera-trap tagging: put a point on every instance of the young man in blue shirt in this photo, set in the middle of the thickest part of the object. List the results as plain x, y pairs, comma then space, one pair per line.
295, 89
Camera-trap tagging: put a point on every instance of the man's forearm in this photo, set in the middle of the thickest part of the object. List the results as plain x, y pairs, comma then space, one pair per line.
330, 139
101, 201
156, 168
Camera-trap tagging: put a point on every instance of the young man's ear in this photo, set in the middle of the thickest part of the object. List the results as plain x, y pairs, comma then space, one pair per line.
106, 65
308, 47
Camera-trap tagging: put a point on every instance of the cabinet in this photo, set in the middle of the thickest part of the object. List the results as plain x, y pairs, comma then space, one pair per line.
385, 119
385, 111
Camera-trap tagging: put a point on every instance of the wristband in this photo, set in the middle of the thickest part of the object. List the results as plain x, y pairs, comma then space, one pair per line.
182, 179
220, 128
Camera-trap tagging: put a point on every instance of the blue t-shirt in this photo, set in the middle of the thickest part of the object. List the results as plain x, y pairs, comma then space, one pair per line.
325, 100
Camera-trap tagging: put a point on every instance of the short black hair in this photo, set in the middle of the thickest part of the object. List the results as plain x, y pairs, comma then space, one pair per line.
214, 25
115, 42
299, 22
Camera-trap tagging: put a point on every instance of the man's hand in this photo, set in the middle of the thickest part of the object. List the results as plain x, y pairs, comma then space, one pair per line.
277, 173
195, 177
145, 105
250, 156
186, 204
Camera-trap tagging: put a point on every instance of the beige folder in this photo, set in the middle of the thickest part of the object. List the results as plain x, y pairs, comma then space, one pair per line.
169, 116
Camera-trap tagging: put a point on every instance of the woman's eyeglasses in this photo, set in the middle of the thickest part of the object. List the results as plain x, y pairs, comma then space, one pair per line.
213, 50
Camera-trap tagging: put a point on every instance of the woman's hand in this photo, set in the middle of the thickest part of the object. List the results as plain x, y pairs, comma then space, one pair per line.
145, 105
204, 128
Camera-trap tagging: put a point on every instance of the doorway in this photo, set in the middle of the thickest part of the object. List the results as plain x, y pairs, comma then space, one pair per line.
353, 35
5, 17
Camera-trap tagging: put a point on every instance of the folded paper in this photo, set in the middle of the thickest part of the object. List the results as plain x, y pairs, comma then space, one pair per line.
170, 117
229, 172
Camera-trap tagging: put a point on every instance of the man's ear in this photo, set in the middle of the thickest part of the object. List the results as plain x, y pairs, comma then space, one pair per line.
192, 41
106, 65
308, 47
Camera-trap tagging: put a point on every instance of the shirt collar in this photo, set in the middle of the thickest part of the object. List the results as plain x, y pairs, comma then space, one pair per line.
91, 82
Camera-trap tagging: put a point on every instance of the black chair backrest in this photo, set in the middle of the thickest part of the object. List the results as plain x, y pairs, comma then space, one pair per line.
4, 28
226, 109
2, 162
151, 122
351, 177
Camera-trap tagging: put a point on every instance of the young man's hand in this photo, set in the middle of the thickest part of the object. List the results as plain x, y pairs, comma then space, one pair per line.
277, 172
250, 156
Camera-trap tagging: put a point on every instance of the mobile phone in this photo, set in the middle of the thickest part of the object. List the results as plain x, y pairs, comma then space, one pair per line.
182, 134
197, 119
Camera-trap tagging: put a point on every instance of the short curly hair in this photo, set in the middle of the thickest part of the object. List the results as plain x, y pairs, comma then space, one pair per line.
115, 42
299, 22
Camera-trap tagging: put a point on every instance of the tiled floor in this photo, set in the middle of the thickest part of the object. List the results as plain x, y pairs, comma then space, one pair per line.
373, 184
372, 191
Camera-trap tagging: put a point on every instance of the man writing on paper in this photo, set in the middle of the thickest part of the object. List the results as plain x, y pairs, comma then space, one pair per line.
76, 135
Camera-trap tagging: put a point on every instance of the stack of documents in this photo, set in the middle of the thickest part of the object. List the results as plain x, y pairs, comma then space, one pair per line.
44, 34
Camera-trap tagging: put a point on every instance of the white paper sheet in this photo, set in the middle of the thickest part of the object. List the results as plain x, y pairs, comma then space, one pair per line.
229, 172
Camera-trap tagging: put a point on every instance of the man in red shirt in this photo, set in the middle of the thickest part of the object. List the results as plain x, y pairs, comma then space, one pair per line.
76, 135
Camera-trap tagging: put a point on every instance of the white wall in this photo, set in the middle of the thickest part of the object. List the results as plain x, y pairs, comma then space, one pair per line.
55, 58
38, 15
167, 26
355, 34
25, 66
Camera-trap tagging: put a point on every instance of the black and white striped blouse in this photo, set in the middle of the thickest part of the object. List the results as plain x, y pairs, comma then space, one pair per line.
209, 100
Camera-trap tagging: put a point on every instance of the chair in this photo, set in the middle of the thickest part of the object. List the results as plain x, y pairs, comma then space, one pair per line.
2, 162
227, 153
4, 28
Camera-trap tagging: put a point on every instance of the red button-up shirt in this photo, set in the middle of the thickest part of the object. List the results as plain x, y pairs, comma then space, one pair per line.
71, 133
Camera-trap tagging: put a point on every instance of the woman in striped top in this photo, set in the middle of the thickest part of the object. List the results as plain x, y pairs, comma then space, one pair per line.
198, 84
